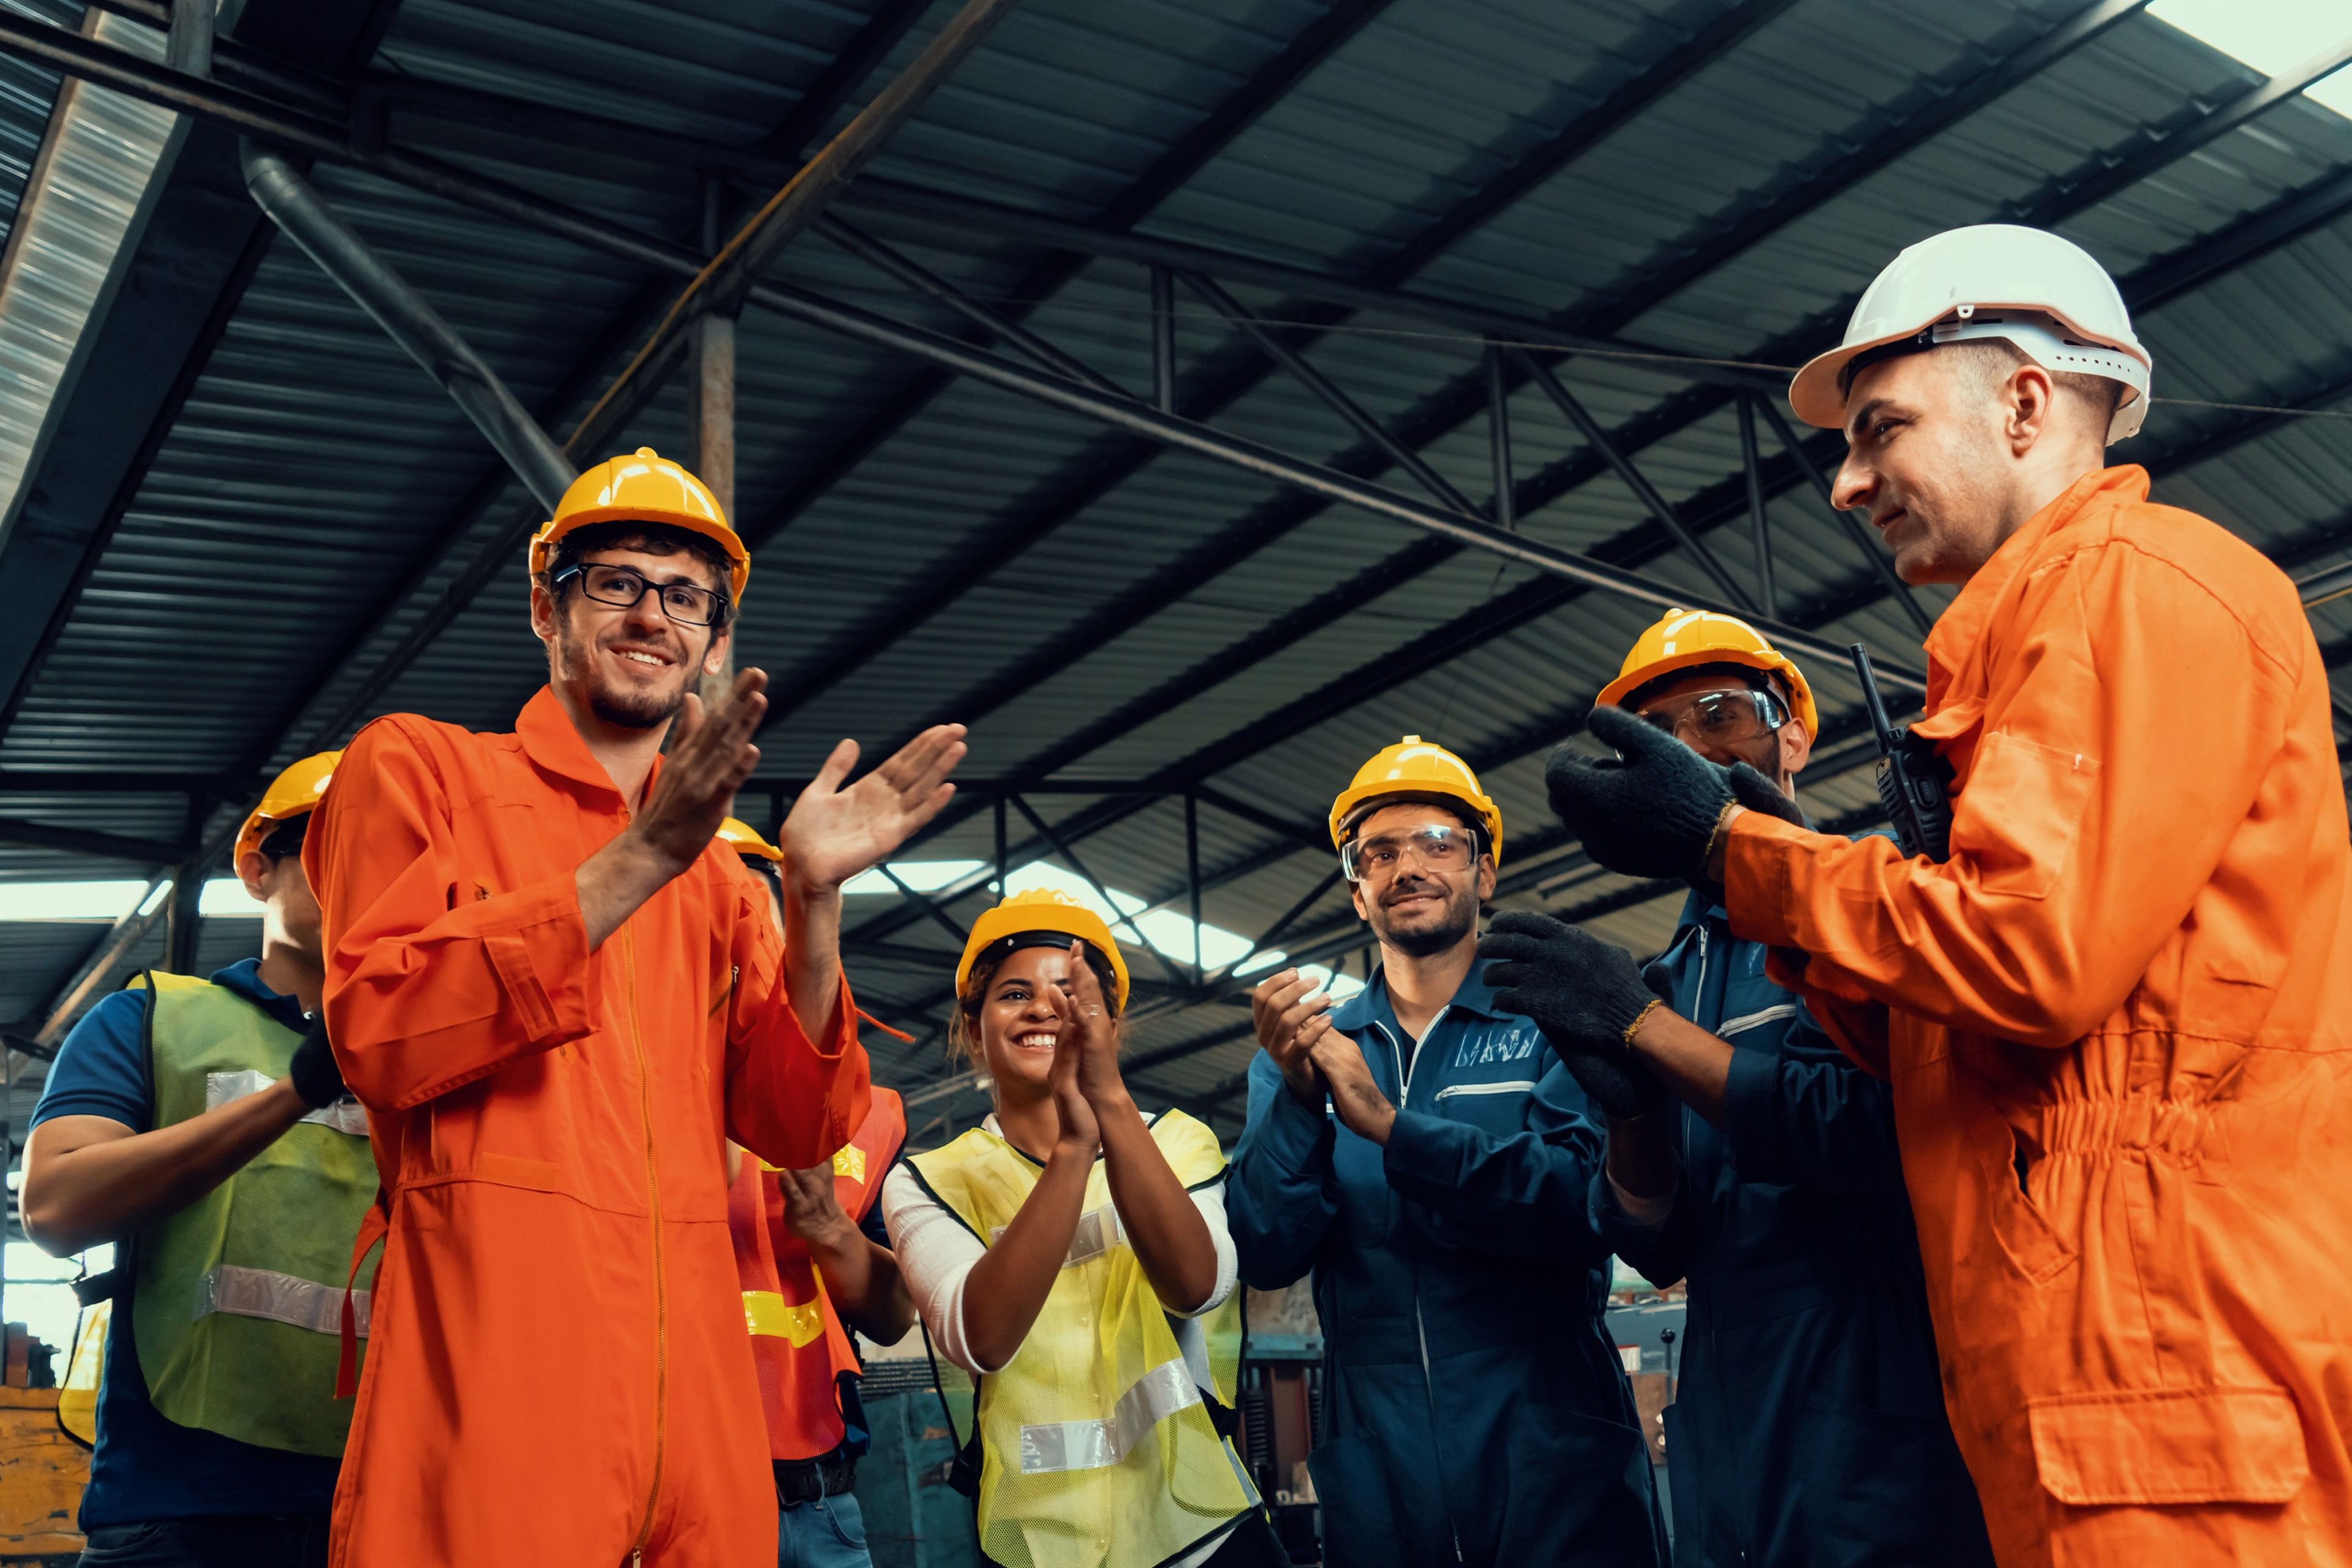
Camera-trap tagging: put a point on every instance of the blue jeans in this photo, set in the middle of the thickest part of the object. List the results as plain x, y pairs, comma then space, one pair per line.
830, 1533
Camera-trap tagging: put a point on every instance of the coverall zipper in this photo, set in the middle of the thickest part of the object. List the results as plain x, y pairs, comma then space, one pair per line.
1420, 1334
661, 1296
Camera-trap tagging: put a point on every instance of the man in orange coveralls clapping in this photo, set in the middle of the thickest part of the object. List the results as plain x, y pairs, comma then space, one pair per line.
527, 936
2117, 1017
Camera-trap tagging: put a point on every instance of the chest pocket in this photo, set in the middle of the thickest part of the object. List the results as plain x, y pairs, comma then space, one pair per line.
1488, 1076
1496, 1106
2028, 801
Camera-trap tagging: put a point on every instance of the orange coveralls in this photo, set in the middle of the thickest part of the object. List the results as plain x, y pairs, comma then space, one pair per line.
557, 1370
2116, 1024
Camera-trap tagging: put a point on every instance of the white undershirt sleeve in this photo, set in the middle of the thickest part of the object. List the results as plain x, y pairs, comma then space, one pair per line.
935, 1254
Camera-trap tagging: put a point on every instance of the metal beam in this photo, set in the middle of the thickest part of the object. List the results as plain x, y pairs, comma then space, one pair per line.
182, 271
1384, 674
1651, 80
955, 217
1071, 497
2247, 239
839, 81
409, 320
842, 78
121, 937
2088, 184
993, 322
1118, 918
1328, 393
79, 841
423, 565
1867, 150
1458, 404
186, 266
1758, 524
82, 781
721, 287
1643, 491
1304, 53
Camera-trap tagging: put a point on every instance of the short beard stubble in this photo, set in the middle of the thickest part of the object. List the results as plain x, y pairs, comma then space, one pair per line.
1461, 919
623, 713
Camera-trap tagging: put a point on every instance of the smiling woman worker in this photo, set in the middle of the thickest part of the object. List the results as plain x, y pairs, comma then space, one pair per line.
1069, 1253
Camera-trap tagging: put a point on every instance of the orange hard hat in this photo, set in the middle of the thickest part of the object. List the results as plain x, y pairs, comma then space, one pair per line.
1683, 638
746, 840
1411, 767
292, 793
645, 487
1041, 910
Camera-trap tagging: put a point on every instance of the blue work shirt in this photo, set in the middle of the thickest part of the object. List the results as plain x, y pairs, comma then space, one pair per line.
1809, 1429
1474, 1410
147, 1467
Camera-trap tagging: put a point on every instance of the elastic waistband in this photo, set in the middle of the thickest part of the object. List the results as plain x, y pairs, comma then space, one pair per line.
2174, 1127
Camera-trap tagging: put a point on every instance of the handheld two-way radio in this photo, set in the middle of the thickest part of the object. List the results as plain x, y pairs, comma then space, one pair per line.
1915, 782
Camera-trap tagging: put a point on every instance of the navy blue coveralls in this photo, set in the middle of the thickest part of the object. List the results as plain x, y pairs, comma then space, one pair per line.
1475, 1408
1808, 1430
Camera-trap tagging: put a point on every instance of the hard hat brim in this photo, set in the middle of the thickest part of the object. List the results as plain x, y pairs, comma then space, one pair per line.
1815, 396
1062, 920
1800, 692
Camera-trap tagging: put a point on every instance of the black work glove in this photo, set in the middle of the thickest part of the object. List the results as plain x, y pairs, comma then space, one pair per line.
1650, 811
1757, 793
316, 1077
1584, 995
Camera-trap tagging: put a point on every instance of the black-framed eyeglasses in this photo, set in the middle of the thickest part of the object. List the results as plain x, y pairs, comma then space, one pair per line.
622, 588
1719, 718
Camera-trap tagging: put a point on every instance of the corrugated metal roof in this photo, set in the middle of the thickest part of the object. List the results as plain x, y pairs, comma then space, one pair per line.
314, 469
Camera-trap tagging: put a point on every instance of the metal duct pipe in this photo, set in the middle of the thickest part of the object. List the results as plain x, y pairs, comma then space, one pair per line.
415, 326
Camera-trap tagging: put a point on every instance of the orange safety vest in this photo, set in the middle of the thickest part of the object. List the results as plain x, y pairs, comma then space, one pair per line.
797, 1340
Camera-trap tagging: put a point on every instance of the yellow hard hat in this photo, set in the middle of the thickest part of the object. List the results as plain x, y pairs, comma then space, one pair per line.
1685, 637
644, 488
747, 840
1414, 766
1038, 913
292, 793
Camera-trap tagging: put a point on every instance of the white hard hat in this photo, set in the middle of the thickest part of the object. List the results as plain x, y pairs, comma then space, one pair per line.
2042, 293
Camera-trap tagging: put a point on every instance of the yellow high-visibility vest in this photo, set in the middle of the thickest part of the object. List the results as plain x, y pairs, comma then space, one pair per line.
1096, 1442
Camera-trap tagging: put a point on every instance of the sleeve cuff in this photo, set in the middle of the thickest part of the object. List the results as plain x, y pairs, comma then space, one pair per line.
1422, 1150
1756, 878
1295, 1134
1650, 1213
1750, 1093
537, 942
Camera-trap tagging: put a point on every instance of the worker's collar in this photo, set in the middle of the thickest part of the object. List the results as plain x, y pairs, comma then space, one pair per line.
1372, 1004
549, 739
244, 978
1956, 682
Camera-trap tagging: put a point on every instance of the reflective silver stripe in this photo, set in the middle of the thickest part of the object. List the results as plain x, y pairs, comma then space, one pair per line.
282, 1298
1096, 1234
346, 1115
1752, 1020
1514, 1086
1092, 1444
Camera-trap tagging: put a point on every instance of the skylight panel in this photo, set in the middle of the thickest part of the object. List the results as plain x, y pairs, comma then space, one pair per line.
2272, 35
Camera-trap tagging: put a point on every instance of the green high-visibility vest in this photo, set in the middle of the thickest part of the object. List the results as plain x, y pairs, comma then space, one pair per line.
238, 1297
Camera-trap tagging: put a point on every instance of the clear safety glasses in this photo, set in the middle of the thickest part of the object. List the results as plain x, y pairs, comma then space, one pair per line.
1435, 848
1719, 718
622, 588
